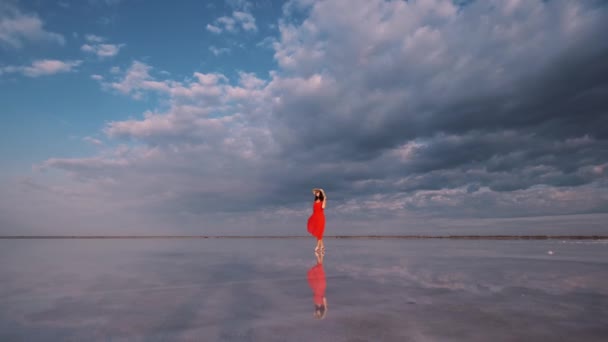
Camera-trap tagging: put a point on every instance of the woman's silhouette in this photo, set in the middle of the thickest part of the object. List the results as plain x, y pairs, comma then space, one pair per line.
316, 221
316, 280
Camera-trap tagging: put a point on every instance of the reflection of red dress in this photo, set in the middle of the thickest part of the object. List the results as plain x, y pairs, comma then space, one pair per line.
316, 221
316, 280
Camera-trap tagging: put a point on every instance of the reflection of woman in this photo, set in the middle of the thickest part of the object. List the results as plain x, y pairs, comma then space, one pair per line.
316, 221
316, 280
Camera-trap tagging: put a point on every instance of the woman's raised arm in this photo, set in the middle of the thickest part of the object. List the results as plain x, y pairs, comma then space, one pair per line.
324, 199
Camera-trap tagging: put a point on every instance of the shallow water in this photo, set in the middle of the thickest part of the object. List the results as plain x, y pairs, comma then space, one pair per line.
257, 290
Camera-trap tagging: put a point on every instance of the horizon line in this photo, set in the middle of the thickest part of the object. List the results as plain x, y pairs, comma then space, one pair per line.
470, 237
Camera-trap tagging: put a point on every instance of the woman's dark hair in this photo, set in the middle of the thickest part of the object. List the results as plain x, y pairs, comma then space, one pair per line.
319, 196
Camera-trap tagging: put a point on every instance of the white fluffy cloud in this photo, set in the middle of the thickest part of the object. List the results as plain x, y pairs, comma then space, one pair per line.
103, 50
17, 28
135, 81
94, 38
213, 28
96, 45
238, 20
42, 67
92, 141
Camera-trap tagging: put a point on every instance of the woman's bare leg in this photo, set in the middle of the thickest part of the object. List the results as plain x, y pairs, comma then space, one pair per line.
319, 258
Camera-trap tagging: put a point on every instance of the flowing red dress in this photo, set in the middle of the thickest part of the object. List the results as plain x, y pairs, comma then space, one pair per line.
316, 281
316, 221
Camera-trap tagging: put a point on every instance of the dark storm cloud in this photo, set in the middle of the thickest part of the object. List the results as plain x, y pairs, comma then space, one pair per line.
555, 92
560, 96
565, 99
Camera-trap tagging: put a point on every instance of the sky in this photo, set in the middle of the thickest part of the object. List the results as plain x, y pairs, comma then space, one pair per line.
219, 117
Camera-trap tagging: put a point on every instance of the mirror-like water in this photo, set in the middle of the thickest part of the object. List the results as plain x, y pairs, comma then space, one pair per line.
266, 290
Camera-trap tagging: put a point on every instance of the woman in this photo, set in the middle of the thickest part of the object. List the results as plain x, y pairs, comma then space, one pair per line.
316, 221
317, 283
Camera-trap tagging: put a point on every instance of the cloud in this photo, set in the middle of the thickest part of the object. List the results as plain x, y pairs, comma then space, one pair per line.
411, 73
246, 20
92, 141
107, 20
202, 108
135, 80
97, 47
43, 67
94, 39
213, 28
267, 42
407, 113
242, 5
238, 20
218, 51
228, 23
17, 28
103, 50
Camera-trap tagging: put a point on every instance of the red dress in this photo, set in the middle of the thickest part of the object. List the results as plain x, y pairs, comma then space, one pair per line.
316, 281
316, 221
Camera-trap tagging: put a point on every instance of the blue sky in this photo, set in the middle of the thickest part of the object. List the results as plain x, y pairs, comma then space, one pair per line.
70, 106
424, 116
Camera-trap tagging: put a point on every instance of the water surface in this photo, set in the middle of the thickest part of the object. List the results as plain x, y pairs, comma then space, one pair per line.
257, 290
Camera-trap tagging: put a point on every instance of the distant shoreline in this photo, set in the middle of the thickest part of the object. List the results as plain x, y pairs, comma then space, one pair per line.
403, 237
